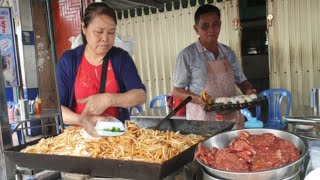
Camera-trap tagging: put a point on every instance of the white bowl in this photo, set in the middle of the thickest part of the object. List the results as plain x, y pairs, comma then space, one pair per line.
313, 175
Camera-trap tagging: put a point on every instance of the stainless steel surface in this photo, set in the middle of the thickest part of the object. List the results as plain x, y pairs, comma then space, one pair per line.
302, 119
20, 122
45, 113
5, 134
205, 128
222, 140
207, 176
315, 101
313, 133
173, 112
24, 112
156, 113
54, 61
308, 134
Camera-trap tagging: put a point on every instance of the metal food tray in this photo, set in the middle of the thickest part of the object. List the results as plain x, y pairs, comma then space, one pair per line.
220, 107
302, 119
121, 168
311, 128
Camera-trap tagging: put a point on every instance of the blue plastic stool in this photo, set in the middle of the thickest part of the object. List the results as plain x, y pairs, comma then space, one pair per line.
246, 113
275, 98
137, 107
163, 101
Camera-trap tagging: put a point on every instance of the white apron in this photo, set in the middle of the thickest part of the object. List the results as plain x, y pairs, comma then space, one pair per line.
220, 83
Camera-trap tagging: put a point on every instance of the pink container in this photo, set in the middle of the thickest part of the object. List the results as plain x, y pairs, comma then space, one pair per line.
10, 113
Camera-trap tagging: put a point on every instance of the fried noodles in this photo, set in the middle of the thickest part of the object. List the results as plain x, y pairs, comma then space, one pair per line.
136, 144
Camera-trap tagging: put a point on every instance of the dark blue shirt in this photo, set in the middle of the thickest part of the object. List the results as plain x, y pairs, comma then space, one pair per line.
126, 75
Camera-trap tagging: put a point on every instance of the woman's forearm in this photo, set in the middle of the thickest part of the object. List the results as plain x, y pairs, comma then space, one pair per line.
70, 117
128, 99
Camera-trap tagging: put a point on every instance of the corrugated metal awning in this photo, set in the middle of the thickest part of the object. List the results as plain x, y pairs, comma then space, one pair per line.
131, 4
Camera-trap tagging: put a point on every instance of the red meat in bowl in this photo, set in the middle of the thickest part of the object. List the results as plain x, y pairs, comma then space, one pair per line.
252, 154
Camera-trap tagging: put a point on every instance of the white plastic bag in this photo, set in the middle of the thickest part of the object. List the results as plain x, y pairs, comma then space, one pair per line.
315, 156
75, 41
125, 43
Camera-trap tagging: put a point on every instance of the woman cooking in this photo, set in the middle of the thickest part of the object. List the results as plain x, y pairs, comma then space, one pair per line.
97, 79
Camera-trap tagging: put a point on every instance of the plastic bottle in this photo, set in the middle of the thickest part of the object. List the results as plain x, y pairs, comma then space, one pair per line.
39, 105
16, 110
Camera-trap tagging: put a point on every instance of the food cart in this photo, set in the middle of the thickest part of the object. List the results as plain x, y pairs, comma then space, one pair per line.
13, 161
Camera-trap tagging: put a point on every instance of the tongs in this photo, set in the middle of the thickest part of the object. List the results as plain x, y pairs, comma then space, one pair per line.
172, 113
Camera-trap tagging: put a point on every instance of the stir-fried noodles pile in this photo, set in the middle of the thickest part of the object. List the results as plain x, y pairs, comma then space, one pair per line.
136, 144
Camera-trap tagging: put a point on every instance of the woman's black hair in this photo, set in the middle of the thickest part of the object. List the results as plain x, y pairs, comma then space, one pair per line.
204, 9
94, 9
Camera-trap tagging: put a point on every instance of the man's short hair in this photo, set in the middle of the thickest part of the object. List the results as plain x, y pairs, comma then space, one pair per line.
204, 9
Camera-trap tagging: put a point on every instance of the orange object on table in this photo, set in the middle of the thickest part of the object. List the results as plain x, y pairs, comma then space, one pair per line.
174, 103
39, 105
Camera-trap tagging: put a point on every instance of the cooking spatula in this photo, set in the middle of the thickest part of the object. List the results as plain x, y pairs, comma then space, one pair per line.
172, 113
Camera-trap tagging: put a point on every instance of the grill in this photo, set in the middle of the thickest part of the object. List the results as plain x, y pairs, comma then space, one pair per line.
121, 168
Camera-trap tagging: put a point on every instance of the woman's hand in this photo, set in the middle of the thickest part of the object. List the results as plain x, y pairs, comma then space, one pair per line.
88, 124
96, 104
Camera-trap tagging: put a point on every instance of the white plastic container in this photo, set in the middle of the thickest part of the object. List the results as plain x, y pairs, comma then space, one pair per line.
24, 111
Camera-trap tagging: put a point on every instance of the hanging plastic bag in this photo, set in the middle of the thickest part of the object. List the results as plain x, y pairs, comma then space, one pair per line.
76, 41
125, 43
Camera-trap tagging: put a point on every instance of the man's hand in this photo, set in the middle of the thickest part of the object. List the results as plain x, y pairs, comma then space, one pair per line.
250, 91
246, 88
201, 102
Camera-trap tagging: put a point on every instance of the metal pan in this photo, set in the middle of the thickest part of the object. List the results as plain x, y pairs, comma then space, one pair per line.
120, 168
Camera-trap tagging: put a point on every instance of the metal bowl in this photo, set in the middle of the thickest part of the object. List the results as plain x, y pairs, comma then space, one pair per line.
222, 140
206, 176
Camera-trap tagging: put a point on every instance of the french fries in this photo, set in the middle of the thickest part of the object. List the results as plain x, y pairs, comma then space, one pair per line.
146, 145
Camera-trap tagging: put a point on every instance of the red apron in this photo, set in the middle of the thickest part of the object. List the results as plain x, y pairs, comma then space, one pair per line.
220, 83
